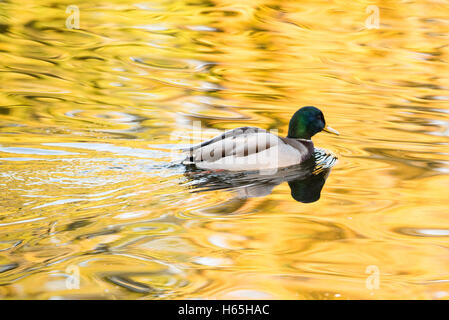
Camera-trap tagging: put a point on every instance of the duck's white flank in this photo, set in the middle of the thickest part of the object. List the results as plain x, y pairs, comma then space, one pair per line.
249, 149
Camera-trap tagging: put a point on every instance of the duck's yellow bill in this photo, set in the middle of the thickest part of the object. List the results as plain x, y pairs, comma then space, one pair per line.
331, 130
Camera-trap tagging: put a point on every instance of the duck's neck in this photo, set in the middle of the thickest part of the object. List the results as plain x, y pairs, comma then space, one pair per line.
297, 129
299, 139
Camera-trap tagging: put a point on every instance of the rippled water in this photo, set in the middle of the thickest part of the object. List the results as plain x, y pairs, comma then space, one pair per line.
89, 117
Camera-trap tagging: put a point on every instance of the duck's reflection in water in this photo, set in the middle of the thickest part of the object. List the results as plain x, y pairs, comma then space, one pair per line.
305, 180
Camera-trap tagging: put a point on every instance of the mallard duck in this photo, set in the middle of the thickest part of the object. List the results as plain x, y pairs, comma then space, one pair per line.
252, 148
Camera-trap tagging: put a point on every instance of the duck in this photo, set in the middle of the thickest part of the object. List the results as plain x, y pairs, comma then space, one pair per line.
256, 149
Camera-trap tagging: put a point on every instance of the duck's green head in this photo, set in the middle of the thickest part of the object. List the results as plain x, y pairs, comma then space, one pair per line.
306, 122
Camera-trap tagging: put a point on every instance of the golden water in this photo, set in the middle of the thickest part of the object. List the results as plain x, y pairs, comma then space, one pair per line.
88, 116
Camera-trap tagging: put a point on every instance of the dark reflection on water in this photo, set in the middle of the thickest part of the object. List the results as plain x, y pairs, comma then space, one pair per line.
306, 180
309, 189
130, 284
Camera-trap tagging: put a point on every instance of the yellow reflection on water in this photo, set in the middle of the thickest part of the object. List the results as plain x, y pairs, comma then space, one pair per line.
90, 189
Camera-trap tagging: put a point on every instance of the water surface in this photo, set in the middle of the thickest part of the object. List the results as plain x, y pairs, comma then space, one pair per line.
88, 118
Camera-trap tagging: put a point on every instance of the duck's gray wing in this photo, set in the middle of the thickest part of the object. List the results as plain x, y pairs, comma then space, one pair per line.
233, 133
240, 142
